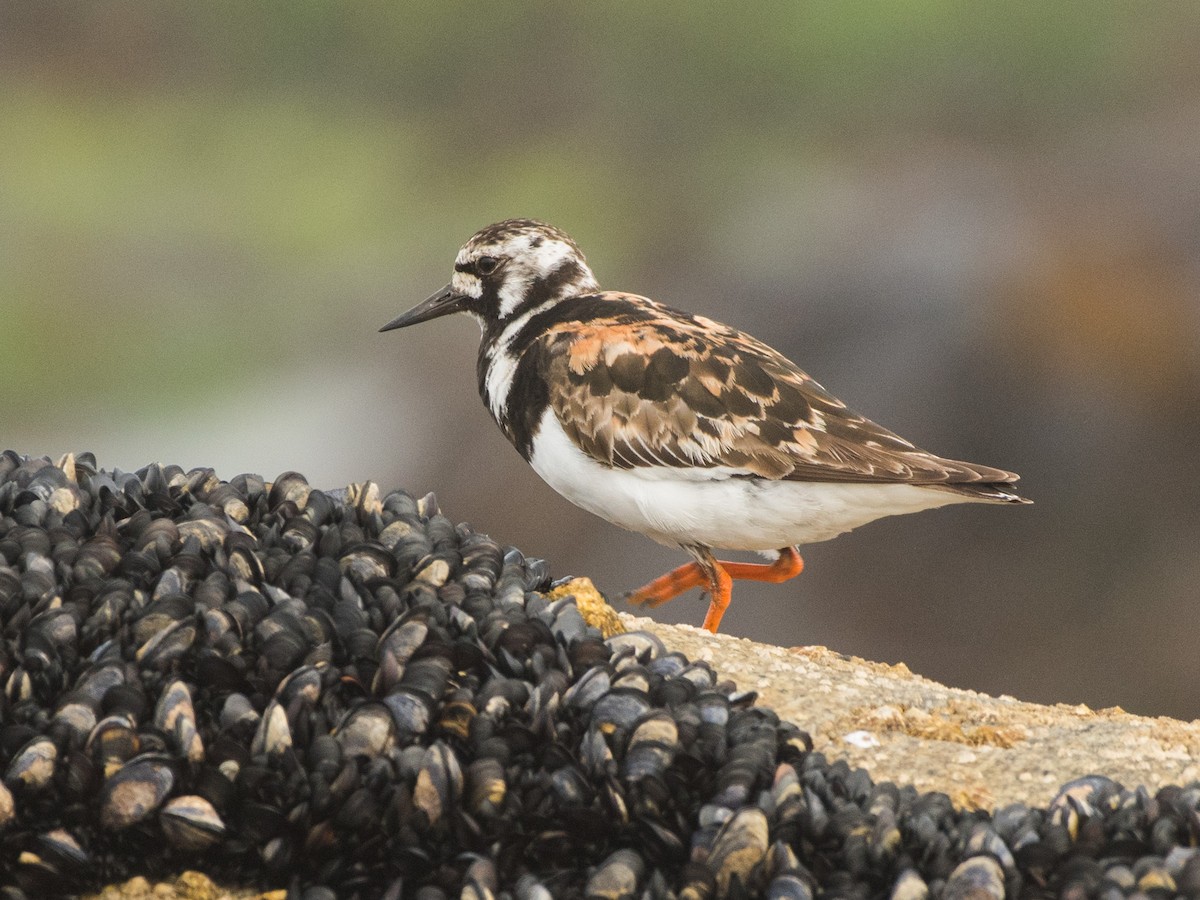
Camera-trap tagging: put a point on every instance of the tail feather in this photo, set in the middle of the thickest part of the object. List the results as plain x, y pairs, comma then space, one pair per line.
986, 491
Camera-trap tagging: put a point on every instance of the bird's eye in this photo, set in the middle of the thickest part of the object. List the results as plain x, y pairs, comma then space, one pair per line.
486, 265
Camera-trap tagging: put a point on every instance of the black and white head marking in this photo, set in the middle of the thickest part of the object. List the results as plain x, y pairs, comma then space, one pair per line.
508, 269
505, 275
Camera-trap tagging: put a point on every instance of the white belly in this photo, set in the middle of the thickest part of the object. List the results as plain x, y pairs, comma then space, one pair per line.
711, 507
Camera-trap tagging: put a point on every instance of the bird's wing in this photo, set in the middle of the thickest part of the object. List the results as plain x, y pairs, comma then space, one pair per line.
662, 387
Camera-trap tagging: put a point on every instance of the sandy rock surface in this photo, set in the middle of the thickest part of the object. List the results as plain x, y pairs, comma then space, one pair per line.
983, 751
188, 886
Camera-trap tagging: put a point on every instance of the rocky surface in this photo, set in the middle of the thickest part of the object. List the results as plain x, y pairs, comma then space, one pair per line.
983, 751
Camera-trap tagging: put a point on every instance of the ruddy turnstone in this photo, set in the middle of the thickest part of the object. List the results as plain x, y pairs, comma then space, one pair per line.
689, 431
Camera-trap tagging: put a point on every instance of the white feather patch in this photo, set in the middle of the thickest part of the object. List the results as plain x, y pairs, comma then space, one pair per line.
526, 266
502, 368
466, 283
710, 506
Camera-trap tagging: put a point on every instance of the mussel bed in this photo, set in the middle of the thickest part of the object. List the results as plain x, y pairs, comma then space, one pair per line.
348, 695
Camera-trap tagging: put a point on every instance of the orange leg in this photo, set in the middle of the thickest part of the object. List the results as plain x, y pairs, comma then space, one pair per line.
718, 576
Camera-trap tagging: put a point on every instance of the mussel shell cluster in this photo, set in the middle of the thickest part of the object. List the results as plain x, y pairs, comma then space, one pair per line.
348, 695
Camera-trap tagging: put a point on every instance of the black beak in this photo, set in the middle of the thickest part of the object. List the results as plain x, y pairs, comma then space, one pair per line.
443, 303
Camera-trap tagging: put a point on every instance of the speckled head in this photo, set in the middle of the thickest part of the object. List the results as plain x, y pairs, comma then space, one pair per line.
506, 270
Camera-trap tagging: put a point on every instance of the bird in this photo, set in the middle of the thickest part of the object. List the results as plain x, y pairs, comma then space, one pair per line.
674, 425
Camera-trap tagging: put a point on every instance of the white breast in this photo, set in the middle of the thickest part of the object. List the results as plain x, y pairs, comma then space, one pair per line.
713, 507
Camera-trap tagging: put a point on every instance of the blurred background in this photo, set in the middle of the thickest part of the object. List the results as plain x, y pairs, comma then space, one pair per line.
977, 224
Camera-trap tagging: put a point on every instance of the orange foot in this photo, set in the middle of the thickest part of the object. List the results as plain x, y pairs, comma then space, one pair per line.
718, 576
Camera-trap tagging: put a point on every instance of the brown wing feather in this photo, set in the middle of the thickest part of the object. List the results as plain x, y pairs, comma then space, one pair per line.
678, 390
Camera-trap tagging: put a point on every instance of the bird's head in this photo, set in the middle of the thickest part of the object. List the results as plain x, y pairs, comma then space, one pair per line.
506, 270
